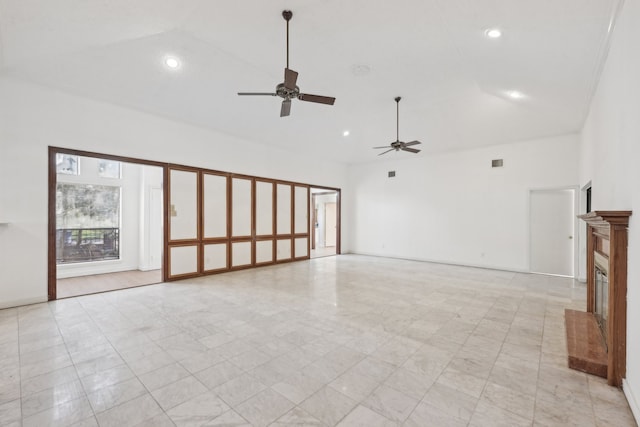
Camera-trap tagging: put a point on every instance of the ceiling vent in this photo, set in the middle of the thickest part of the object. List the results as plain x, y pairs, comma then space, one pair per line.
392, 174
497, 163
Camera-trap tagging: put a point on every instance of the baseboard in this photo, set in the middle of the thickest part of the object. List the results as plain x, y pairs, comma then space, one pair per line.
21, 302
633, 403
105, 267
148, 268
436, 261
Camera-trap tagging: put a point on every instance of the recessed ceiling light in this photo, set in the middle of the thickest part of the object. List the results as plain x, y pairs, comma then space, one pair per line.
172, 62
493, 33
514, 94
345, 133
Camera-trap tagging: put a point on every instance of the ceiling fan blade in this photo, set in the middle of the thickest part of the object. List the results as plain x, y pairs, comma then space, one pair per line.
385, 152
285, 110
408, 144
384, 146
316, 98
411, 150
256, 93
290, 78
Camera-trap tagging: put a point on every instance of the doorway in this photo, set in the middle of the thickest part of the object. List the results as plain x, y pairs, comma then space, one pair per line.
553, 231
105, 223
325, 222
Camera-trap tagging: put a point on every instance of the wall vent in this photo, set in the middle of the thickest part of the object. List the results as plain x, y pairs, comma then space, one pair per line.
497, 163
392, 174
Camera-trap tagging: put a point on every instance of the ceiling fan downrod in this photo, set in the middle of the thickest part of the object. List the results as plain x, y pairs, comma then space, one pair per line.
398, 118
287, 15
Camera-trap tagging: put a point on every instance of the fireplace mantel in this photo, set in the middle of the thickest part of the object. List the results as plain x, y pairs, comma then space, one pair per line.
607, 236
604, 219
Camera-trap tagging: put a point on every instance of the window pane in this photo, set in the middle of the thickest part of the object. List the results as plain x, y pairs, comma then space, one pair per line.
87, 222
66, 164
108, 168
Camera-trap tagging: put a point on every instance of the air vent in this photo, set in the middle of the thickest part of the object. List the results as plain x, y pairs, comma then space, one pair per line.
497, 163
392, 174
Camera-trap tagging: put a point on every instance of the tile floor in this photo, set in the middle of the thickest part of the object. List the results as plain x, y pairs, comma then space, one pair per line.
346, 340
85, 285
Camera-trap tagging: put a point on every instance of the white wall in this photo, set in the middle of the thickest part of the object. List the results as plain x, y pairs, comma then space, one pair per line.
33, 118
610, 158
150, 218
454, 207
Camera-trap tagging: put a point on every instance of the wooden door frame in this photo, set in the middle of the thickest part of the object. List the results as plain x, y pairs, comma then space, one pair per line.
52, 267
338, 193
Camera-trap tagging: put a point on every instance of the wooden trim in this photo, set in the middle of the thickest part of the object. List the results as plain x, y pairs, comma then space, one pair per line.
254, 215
214, 240
314, 221
104, 156
195, 171
165, 224
52, 267
273, 254
274, 218
216, 270
183, 275
204, 218
229, 217
617, 323
51, 226
338, 193
251, 259
606, 218
339, 223
200, 240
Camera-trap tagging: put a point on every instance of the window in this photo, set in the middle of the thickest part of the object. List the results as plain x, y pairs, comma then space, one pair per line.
108, 169
67, 164
88, 222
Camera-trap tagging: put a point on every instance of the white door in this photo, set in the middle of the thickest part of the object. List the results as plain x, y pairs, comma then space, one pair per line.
330, 221
552, 228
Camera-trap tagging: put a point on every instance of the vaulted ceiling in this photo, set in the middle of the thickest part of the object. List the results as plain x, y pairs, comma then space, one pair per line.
455, 82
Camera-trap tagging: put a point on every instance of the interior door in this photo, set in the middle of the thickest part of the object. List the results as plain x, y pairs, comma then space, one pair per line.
330, 222
552, 231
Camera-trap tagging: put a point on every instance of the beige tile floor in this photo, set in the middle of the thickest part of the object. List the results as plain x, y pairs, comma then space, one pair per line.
85, 285
322, 251
346, 340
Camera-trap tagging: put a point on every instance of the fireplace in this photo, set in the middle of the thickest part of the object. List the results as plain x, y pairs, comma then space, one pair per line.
596, 338
601, 294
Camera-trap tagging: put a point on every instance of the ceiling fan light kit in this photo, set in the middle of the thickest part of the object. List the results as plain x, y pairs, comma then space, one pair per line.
398, 145
288, 89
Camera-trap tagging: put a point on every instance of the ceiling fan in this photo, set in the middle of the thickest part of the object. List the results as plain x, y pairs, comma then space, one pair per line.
397, 144
288, 90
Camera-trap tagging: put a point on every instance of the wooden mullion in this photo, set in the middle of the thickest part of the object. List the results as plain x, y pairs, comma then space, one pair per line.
229, 219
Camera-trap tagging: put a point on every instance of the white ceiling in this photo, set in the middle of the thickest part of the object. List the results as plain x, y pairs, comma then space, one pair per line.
453, 80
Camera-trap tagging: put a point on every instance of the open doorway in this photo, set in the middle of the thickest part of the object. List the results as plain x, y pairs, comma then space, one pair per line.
106, 223
325, 222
